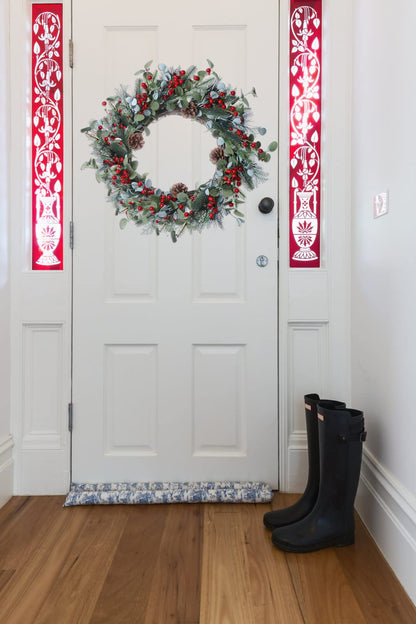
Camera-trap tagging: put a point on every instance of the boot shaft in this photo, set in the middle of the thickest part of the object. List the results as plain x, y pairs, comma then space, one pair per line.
311, 417
341, 435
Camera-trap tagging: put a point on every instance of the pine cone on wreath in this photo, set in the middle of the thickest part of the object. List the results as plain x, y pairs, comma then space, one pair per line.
180, 187
190, 111
216, 155
136, 140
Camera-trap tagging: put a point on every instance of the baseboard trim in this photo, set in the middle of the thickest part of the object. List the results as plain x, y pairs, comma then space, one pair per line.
388, 510
297, 462
6, 470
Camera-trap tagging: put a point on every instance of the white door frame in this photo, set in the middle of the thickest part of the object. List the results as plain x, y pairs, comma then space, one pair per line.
314, 326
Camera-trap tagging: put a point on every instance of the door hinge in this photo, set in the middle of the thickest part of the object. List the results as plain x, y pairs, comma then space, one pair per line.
71, 53
70, 416
71, 234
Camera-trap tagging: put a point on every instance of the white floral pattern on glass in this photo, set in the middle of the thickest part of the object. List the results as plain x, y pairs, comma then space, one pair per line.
305, 129
47, 128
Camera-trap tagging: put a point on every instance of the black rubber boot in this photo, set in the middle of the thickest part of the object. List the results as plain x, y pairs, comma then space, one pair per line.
331, 521
289, 515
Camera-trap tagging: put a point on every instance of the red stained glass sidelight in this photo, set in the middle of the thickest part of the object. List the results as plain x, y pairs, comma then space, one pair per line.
305, 133
47, 137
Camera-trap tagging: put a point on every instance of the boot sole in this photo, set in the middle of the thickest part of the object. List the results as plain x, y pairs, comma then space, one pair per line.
335, 542
272, 527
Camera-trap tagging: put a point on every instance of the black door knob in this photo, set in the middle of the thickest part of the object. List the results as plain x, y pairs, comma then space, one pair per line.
266, 205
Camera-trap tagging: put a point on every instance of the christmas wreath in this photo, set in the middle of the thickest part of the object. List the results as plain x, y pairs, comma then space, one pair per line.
197, 95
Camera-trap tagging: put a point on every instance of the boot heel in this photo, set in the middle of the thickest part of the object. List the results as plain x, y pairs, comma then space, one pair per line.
345, 541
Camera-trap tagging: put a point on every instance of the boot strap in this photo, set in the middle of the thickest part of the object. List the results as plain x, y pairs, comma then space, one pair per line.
359, 436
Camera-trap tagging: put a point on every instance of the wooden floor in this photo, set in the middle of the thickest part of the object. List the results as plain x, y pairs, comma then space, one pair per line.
183, 564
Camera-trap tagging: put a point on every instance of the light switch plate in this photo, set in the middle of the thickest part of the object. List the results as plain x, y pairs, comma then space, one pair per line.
380, 204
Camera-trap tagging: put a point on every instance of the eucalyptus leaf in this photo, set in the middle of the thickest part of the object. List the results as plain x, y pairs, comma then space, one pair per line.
221, 164
182, 197
273, 146
123, 223
118, 148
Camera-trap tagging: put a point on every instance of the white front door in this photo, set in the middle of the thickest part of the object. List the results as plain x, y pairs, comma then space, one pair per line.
175, 345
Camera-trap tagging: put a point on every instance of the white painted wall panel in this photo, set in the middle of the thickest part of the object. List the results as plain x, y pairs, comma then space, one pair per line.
219, 416
131, 268
43, 401
130, 399
308, 367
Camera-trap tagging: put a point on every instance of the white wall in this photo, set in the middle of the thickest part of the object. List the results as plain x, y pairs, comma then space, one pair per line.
384, 274
5, 439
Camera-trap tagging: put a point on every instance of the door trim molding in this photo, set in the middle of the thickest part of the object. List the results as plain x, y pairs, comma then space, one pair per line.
40, 359
333, 277
309, 298
6, 469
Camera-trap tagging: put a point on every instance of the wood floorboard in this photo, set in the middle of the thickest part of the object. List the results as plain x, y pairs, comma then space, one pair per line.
225, 595
78, 565
271, 589
5, 576
182, 564
125, 593
380, 594
176, 584
29, 520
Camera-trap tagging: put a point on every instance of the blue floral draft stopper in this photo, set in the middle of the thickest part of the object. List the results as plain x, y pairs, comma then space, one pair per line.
168, 492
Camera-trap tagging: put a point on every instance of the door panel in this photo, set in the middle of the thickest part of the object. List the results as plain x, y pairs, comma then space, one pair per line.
175, 345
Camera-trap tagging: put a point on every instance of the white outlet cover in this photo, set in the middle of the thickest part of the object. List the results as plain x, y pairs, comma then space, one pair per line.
380, 204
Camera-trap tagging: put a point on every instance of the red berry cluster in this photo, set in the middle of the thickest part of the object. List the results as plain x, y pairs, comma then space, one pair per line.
233, 178
212, 207
220, 103
176, 81
124, 177
142, 100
